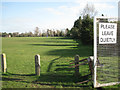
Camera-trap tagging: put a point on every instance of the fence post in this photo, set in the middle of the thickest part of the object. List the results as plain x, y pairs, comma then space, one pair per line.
3, 62
37, 64
77, 67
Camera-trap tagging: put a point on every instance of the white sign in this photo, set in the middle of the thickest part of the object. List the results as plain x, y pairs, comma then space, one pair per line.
107, 33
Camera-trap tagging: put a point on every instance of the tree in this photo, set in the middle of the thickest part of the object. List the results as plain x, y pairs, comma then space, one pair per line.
67, 32
75, 32
30, 34
89, 10
44, 34
11, 34
4, 34
16, 34
62, 34
21, 35
0, 34
58, 33
48, 32
54, 34
36, 32
83, 26
51, 33
87, 30
78, 25
40, 34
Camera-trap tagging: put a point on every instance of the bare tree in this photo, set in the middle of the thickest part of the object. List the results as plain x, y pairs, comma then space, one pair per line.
36, 32
15, 34
89, 10
58, 33
48, 32
30, 34
40, 34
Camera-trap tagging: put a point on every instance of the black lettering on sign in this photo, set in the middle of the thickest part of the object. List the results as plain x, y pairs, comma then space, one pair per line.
102, 26
107, 26
107, 39
105, 33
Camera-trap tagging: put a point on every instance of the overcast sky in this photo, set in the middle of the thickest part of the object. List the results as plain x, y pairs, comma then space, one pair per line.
21, 16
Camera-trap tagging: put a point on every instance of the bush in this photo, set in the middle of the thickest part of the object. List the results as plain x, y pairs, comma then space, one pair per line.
83, 30
75, 33
87, 30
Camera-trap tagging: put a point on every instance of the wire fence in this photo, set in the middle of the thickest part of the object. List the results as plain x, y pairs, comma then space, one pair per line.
108, 55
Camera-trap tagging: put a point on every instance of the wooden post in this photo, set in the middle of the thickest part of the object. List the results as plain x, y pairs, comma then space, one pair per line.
90, 63
77, 67
37, 64
3, 62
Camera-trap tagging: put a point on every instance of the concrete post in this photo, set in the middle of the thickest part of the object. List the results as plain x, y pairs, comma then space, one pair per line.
3, 62
37, 64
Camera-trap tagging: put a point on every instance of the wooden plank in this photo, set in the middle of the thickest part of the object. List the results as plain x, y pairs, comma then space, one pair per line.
83, 82
80, 60
78, 65
107, 84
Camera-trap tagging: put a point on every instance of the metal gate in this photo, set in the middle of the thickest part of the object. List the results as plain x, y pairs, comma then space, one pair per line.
106, 55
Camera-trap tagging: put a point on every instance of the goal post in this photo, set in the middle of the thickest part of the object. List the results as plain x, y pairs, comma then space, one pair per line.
107, 51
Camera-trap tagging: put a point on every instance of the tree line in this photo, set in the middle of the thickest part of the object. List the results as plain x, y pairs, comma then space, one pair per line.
37, 33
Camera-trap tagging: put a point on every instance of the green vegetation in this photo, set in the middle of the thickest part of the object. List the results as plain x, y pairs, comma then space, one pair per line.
56, 56
109, 71
83, 26
83, 30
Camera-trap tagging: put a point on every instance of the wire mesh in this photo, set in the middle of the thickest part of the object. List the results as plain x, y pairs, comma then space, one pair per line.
108, 56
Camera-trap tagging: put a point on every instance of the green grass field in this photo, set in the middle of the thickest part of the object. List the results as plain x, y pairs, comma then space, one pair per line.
109, 72
55, 53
